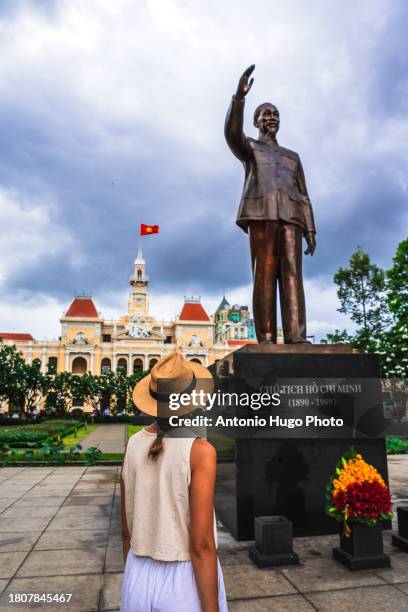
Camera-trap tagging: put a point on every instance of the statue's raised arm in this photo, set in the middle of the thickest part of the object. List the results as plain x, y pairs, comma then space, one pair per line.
244, 84
234, 122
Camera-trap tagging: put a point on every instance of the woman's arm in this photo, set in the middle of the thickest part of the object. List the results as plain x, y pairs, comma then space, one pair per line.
125, 530
203, 552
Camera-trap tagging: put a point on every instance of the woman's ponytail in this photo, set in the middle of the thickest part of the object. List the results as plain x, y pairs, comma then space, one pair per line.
157, 446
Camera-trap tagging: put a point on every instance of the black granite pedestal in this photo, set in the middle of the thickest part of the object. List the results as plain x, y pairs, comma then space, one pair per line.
362, 549
287, 475
401, 539
273, 542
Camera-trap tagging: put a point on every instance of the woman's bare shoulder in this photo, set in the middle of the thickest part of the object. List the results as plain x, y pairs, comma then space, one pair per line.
202, 452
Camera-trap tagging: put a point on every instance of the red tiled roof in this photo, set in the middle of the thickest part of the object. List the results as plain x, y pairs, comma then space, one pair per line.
241, 342
82, 307
18, 337
193, 311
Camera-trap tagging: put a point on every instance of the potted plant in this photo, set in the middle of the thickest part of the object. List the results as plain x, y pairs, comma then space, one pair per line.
359, 499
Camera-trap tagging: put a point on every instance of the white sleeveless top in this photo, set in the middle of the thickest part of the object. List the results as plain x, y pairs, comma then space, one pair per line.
157, 497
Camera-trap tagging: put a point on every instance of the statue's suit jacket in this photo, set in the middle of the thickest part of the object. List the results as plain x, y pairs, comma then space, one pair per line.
275, 187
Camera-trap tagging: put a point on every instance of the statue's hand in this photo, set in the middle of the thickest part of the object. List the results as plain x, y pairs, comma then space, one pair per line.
244, 85
311, 243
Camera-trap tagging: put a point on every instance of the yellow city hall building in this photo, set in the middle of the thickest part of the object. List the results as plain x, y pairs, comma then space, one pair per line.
90, 343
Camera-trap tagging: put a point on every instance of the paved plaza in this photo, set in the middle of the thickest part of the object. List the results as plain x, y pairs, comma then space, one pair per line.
60, 533
109, 438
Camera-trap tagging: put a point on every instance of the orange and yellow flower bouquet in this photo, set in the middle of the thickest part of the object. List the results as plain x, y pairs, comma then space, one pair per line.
357, 492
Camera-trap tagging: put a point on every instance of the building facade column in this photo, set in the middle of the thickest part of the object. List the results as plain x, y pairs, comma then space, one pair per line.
114, 356
43, 360
67, 361
130, 360
92, 362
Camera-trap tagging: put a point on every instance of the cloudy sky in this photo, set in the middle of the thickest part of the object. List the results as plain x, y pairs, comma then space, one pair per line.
111, 115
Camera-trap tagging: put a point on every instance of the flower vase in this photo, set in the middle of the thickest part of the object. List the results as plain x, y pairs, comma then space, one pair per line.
363, 548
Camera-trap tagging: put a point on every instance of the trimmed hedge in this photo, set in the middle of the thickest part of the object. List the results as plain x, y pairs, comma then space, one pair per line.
396, 445
34, 435
132, 420
9, 422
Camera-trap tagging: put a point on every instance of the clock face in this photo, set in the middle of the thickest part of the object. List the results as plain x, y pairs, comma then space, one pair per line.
80, 338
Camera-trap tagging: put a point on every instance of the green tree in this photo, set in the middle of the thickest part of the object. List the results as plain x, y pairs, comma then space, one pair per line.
12, 367
59, 393
123, 388
81, 390
392, 345
361, 291
107, 389
34, 384
132, 380
397, 283
337, 337
90, 388
21, 383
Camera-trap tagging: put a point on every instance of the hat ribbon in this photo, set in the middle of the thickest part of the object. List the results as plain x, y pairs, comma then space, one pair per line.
164, 397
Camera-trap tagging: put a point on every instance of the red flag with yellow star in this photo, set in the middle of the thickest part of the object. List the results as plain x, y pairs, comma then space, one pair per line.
145, 230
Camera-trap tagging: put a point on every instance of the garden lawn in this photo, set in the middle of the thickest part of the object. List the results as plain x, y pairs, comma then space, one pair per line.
111, 457
21, 436
82, 433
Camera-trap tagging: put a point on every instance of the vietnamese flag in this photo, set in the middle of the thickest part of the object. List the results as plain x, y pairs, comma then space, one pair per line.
145, 230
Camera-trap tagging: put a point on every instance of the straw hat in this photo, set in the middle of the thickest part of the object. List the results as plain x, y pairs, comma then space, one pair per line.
172, 374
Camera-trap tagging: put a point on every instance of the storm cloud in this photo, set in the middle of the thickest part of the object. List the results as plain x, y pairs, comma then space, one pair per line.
111, 115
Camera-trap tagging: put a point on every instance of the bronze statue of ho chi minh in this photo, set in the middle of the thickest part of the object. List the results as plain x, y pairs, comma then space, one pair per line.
276, 212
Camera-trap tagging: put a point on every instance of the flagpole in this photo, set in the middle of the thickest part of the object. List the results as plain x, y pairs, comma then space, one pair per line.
140, 241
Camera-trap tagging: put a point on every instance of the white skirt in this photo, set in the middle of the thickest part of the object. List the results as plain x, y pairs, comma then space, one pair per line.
163, 586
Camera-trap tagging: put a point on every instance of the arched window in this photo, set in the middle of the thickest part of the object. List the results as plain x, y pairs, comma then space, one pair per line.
52, 365
152, 363
137, 366
106, 365
196, 360
139, 275
79, 365
122, 365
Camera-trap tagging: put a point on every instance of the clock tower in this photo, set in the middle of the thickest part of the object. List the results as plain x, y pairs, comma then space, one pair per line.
138, 298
